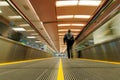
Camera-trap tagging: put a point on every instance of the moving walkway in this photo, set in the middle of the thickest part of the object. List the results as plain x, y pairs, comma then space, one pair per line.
48, 69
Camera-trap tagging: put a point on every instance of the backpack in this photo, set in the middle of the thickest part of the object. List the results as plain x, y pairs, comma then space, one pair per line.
70, 38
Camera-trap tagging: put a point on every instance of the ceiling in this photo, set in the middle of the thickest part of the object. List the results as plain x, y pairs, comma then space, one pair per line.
51, 13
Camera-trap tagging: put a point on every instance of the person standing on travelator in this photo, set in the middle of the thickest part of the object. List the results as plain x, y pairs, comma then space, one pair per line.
69, 40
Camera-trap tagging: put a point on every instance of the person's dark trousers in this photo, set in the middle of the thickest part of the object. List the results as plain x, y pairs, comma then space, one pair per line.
69, 51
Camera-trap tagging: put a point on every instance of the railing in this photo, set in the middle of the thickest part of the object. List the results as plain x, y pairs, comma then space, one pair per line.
13, 51
109, 50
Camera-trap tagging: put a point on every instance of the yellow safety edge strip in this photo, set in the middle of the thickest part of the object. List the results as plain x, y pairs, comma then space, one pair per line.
8, 63
60, 71
101, 61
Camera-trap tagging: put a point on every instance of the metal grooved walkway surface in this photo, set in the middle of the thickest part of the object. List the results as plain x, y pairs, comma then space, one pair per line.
73, 69
88, 70
34, 70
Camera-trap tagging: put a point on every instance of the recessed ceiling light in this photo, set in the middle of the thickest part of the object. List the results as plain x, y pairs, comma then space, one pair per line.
31, 37
89, 3
15, 17
66, 3
82, 16
63, 24
64, 16
19, 29
3, 3
23, 25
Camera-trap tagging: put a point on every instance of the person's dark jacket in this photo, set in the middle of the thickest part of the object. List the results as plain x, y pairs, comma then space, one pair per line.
69, 39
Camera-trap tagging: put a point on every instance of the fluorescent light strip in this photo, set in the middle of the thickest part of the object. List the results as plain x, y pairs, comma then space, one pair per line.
73, 16
64, 33
82, 16
71, 24
31, 37
30, 30
3, 3
64, 24
89, 3
60, 30
19, 29
77, 24
23, 25
61, 33
75, 3
64, 16
34, 34
66, 3
0, 11
15, 17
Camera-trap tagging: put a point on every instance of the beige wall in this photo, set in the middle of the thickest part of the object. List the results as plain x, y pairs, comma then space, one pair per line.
110, 30
13, 51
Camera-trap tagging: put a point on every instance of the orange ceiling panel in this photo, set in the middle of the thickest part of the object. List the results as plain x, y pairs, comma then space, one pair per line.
46, 11
76, 10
